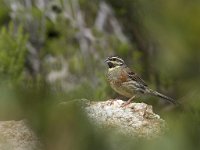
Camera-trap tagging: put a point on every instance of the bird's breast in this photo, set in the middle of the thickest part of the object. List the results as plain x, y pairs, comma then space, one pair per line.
117, 78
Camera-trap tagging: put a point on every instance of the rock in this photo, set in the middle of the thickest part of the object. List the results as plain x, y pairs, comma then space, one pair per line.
16, 135
136, 119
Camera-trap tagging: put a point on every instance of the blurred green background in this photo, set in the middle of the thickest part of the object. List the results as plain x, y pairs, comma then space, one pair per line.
53, 51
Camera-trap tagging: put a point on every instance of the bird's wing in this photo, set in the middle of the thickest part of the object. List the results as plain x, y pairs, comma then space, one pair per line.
135, 77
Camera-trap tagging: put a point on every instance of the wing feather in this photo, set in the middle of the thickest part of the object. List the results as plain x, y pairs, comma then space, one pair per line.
135, 77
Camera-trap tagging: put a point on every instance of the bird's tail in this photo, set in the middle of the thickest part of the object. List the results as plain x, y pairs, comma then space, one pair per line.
155, 93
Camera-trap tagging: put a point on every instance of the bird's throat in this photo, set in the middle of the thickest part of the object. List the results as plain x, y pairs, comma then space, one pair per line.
110, 65
113, 68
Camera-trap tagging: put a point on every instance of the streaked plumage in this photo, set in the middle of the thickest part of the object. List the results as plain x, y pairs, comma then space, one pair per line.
128, 83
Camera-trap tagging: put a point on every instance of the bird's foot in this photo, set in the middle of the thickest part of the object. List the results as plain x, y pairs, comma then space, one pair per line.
124, 105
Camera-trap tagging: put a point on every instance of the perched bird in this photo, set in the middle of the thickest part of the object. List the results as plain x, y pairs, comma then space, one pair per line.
128, 83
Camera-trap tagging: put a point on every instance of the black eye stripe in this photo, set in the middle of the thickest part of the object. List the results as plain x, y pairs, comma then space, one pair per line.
117, 59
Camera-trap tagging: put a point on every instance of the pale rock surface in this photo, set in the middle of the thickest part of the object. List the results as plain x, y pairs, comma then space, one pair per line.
136, 119
16, 135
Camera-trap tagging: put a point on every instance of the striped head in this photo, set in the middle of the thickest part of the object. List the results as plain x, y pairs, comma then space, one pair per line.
114, 61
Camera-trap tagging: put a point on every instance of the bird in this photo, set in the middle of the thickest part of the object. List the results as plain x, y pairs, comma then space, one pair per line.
127, 83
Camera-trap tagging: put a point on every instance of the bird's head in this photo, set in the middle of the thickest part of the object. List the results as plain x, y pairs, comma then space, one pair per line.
114, 61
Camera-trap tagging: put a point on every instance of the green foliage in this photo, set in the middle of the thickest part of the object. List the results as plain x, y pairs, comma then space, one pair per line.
12, 52
4, 16
60, 40
90, 10
76, 65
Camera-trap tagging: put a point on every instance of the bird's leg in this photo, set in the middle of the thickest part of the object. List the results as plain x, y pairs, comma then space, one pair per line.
128, 102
